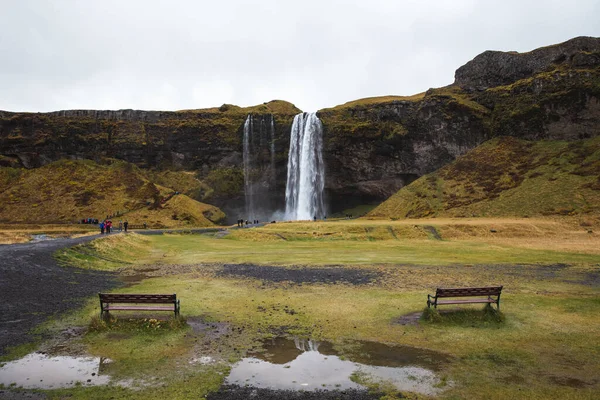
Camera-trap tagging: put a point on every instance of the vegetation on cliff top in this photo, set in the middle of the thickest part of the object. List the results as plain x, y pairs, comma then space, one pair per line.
67, 191
369, 101
271, 107
507, 177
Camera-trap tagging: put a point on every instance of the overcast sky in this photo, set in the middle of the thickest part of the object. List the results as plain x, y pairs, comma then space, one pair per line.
171, 55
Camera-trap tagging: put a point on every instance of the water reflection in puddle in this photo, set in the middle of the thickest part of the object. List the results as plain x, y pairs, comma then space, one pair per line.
310, 365
38, 371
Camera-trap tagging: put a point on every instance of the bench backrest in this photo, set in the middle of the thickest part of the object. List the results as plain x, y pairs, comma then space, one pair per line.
137, 298
464, 292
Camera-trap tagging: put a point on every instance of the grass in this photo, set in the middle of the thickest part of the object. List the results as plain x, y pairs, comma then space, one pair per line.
360, 242
369, 101
67, 191
274, 106
507, 177
543, 345
21, 233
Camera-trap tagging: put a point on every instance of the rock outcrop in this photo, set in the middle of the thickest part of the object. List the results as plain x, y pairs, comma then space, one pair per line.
497, 68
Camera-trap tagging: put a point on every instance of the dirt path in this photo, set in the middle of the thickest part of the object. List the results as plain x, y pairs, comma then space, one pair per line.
33, 287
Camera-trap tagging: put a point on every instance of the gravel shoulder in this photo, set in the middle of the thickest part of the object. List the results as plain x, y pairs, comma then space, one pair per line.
233, 392
33, 287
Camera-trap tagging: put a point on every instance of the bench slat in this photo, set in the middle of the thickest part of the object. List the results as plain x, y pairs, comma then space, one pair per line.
133, 308
137, 298
466, 301
458, 292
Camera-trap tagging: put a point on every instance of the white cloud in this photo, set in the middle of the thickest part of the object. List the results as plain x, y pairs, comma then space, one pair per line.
194, 54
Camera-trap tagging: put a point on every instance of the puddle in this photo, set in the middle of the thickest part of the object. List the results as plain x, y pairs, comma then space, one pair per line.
138, 276
310, 365
41, 237
38, 371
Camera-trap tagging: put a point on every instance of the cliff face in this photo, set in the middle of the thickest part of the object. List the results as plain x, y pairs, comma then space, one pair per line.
372, 147
376, 146
208, 142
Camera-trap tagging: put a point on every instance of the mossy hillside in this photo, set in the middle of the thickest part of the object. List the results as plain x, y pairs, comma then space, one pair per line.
67, 191
507, 177
185, 182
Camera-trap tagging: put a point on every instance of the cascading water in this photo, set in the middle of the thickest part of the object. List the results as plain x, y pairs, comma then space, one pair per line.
273, 175
306, 170
247, 160
259, 166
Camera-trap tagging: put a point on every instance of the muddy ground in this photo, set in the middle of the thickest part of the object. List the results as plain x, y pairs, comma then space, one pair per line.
233, 392
300, 275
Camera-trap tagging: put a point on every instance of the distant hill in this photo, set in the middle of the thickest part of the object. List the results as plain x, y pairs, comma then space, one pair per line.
68, 190
506, 177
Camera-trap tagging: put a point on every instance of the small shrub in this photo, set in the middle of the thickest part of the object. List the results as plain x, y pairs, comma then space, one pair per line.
431, 315
113, 323
465, 317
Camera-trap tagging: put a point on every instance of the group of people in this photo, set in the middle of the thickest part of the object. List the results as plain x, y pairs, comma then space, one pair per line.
241, 222
89, 221
107, 226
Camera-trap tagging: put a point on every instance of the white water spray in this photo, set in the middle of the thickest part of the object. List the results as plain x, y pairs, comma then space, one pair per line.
306, 170
248, 189
259, 166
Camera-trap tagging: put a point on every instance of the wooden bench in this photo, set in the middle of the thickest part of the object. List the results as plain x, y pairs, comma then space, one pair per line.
137, 302
487, 295
137, 226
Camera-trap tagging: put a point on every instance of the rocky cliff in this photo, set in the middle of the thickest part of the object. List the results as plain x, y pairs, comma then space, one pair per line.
207, 142
375, 146
372, 147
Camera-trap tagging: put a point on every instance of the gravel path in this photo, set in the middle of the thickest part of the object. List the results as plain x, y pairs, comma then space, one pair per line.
33, 287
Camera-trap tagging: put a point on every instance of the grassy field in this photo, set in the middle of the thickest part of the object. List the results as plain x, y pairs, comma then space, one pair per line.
544, 346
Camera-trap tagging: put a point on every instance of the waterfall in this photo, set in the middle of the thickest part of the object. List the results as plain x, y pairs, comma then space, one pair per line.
306, 170
247, 162
258, 161
273, 176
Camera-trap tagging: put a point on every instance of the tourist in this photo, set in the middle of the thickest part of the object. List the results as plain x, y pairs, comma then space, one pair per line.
125, 224
102, 228
120, 226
